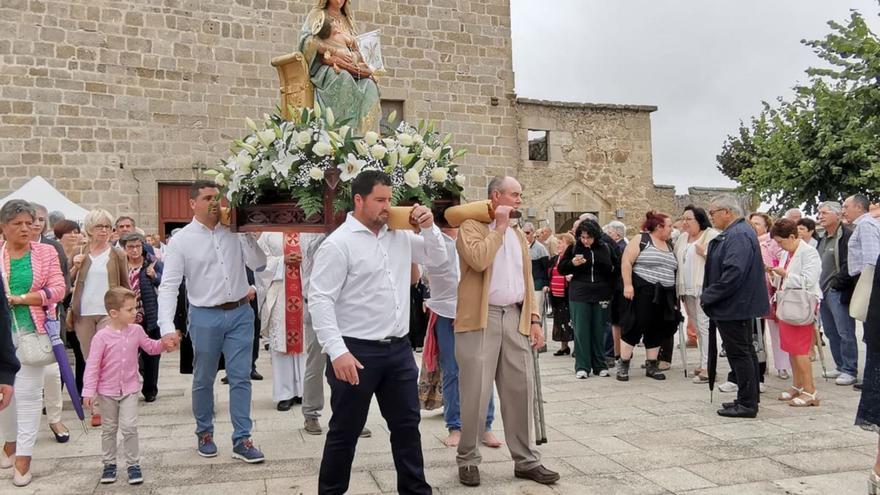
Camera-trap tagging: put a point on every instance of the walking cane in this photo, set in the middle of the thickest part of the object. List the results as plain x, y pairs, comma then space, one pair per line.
540, 427
682, 343
817, 340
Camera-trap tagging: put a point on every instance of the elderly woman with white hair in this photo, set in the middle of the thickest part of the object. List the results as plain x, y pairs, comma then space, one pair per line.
97, 268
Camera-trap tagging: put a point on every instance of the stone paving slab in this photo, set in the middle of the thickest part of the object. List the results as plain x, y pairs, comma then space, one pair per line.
605, 437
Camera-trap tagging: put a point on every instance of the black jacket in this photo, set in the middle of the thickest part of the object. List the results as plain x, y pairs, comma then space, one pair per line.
593, 281
842, 281
9, 364
149, 294
872, 322
734, 287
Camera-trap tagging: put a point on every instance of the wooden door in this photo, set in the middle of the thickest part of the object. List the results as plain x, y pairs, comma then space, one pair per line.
174, 209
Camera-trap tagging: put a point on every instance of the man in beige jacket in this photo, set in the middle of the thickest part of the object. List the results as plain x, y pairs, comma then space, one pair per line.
496, 321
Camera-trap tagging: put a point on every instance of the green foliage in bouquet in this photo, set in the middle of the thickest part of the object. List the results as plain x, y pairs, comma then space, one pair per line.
287, 159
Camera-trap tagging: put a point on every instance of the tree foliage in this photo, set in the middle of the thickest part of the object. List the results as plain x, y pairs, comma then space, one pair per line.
824, 143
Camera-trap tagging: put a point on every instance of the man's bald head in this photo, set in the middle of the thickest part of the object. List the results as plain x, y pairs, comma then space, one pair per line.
505, 190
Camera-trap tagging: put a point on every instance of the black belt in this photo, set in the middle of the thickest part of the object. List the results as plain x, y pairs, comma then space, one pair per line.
383, 342
229, 306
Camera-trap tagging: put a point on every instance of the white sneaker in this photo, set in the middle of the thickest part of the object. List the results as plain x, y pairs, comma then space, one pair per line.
761, 387
581, 375
831, 374
728, 387
845, 379
604, 373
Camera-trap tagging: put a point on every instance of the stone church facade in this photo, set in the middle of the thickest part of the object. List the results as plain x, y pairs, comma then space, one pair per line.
120, 104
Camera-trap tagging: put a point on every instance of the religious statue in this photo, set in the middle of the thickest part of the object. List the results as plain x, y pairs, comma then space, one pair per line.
343, 80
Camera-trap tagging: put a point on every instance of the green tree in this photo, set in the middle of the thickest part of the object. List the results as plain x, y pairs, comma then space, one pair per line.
824, 143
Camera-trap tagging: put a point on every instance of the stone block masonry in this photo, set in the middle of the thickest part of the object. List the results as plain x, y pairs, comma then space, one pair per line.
107, 99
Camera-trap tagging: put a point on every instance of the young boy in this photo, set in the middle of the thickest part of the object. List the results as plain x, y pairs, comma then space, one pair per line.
112, 381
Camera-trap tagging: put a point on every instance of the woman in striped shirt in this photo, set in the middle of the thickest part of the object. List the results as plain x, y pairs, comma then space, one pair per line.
648, 268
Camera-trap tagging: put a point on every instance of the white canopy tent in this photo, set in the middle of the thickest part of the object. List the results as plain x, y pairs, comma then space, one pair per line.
38, 190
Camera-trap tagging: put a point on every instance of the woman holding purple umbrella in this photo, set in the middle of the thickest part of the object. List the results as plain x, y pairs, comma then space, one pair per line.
32, 276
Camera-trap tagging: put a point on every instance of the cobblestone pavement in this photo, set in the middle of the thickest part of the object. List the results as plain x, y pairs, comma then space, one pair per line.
605, 437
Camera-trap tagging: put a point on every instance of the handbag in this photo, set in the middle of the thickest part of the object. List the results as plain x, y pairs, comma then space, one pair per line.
858, 305
32, 349
796, 306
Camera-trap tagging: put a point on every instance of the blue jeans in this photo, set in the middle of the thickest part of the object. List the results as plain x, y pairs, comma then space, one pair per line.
840, 328
451, 404
231, 332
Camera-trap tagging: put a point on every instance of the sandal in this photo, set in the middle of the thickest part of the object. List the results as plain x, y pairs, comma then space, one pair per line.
801, 402
788, 395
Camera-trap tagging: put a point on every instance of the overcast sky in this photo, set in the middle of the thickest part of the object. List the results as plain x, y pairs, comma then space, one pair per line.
705, 63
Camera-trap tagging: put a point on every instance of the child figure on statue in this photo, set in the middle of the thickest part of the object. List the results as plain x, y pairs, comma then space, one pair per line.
112, 381
337, 40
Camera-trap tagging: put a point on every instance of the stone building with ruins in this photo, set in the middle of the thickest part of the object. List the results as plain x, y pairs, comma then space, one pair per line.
120, 104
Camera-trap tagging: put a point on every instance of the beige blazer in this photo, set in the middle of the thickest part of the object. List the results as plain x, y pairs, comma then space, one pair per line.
476, 245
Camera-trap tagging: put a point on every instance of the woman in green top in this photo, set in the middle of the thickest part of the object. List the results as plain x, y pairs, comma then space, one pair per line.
32, 274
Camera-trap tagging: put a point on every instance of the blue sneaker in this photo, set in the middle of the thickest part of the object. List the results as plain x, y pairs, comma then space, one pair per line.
245, 451
109, 474
135, 477
207, 447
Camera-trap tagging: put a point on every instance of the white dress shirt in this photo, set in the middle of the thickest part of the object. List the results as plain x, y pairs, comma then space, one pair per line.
213, 262
359, 285
507, 286
443, 282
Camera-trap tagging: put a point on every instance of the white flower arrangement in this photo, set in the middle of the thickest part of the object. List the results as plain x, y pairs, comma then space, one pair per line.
292, 159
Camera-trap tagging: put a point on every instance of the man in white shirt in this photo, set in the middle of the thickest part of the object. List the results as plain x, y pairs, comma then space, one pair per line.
359, 303
443, 281
213, 261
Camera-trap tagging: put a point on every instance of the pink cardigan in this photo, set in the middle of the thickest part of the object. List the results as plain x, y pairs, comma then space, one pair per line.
48, 280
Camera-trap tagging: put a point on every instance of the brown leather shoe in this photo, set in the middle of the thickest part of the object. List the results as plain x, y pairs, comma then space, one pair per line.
538, 474
469, 475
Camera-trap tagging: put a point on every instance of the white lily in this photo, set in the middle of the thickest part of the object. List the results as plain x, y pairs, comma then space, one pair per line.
243, 163
392, 158
361, 147
250, 123
411, 178
350, 168
247, 147
284, 164
378, 151
303, 139
419, 166
343, 131
428, 153
460, 180
389, 143
371, 137
329, 117
439, 174
317, 110
316, 173
418, 139
266, 137
322, 148
405, 139
220, 180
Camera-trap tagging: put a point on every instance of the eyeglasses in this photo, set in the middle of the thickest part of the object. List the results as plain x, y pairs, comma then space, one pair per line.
134, 246
716, 210
103, 227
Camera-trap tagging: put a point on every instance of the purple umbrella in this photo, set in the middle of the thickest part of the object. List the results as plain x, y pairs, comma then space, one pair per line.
53, 329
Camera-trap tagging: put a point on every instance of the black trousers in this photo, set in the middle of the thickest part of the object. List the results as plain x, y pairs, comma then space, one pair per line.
150, 367
79, 360
666, 347
390, 373
256, 351
737, 338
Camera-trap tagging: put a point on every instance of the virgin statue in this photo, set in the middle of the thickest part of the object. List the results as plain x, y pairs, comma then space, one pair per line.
342, 80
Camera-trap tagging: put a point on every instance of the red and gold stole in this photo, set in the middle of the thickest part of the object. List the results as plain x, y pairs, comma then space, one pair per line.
293, 297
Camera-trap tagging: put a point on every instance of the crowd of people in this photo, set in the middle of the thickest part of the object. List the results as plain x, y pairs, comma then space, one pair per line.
339, 308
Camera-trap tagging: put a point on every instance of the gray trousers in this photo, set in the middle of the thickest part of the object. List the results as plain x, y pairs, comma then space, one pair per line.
313, 381
119, 414
498, 354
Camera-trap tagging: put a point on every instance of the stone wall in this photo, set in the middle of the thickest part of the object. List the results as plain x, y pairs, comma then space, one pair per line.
701, 196
106, 99
599, 160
